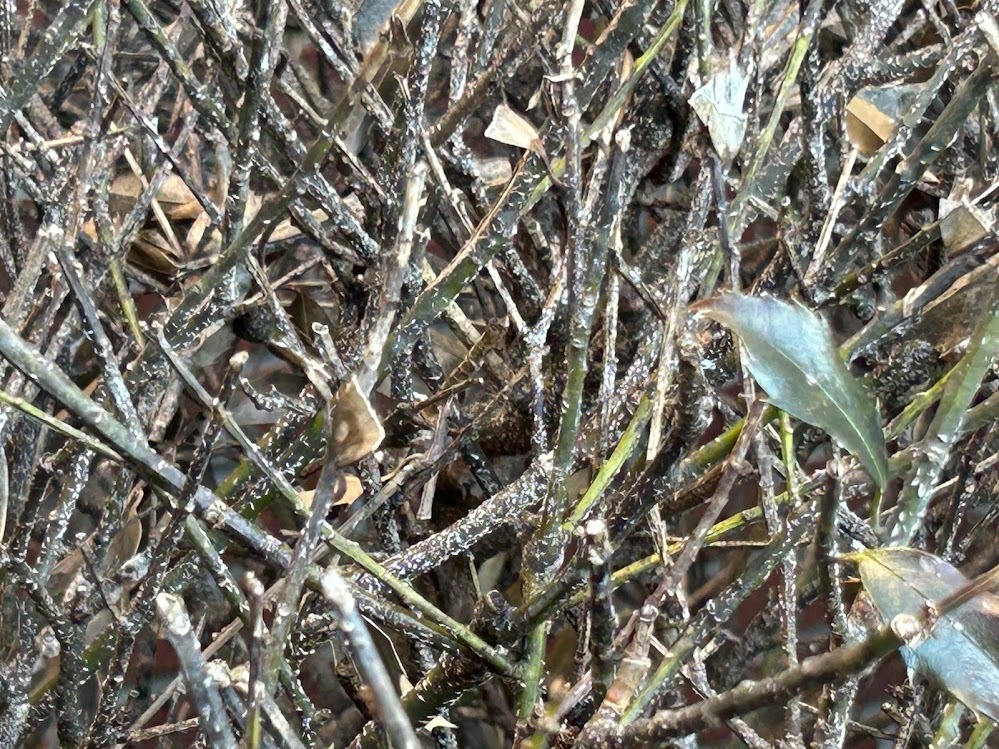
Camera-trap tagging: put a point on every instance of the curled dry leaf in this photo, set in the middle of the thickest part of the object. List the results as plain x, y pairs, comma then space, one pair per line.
718, 104
963, 225
288, 230
874, 113
283, 231
960, 651
126, 542
867, 127
963, 222
353, 489
791, 353
355, 428
152, 252
174, 196
513, 129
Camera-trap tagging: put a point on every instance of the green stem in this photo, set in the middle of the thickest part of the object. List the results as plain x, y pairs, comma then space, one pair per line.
945, 429
766, 136
53, 423
612, 466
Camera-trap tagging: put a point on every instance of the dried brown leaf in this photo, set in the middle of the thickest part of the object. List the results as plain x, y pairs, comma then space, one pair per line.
355, 429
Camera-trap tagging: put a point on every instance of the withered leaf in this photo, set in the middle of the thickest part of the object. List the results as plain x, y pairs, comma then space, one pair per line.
355, 428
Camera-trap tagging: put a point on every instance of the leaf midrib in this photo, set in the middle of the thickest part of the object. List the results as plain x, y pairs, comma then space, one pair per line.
883, 474
949, 618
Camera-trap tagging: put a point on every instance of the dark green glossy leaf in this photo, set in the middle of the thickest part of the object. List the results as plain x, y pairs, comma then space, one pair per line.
791, 353
961, 652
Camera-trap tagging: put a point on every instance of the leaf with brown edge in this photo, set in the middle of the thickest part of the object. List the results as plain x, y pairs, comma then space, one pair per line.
791, 353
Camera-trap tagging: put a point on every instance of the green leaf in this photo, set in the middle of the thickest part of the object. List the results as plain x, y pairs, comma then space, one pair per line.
961, 652
790, 352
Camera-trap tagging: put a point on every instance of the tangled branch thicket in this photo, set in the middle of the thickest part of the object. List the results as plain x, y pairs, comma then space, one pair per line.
352, 395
